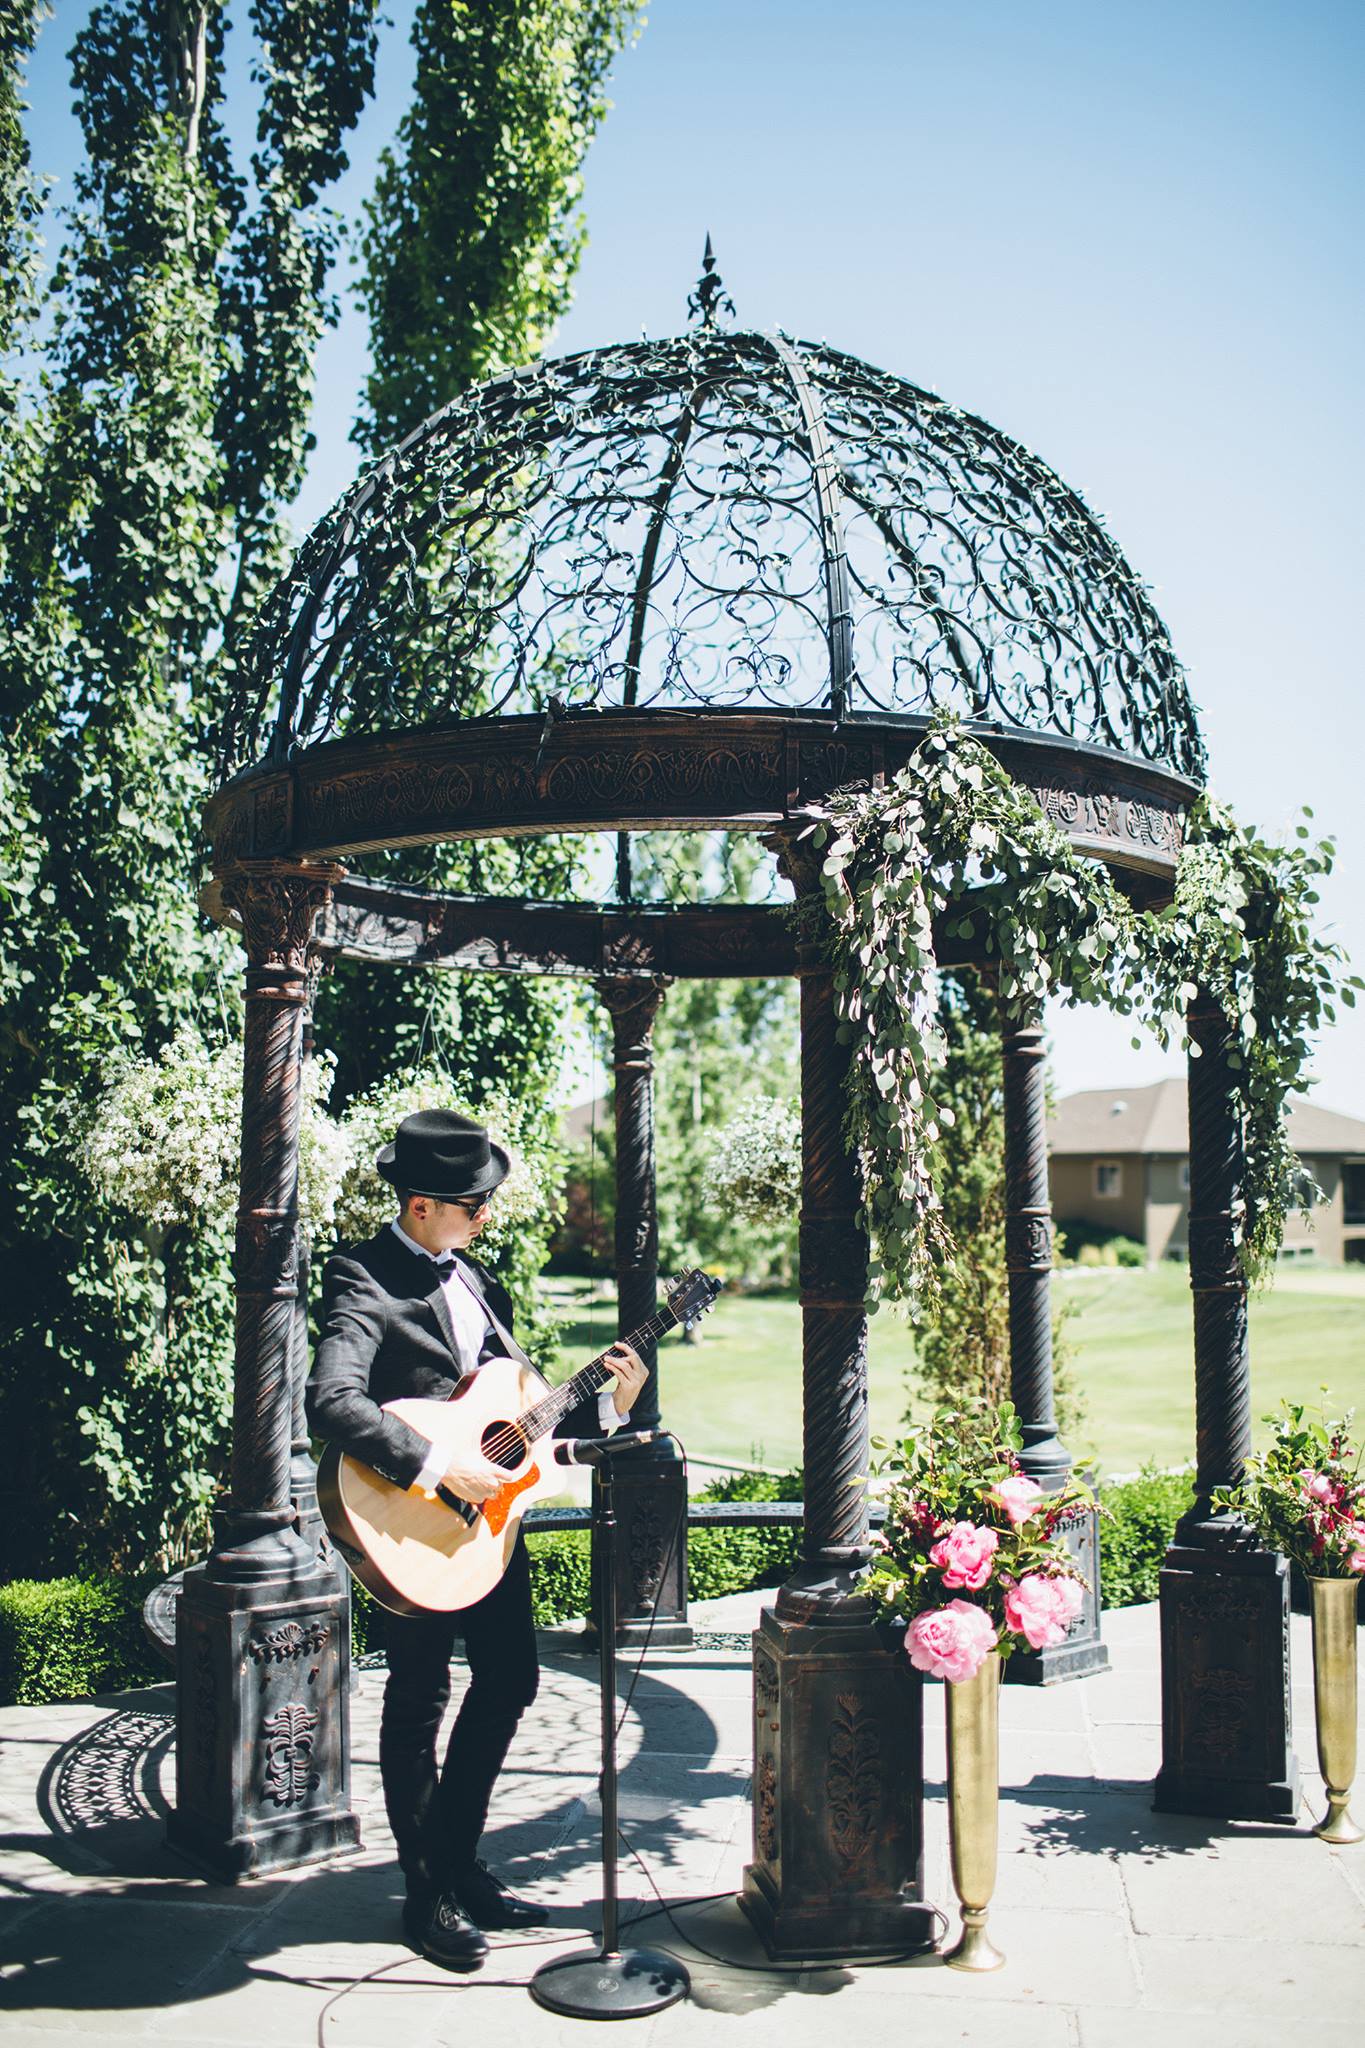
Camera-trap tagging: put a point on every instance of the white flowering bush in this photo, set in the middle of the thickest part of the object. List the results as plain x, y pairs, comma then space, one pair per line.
754, 1168
528, 1200
163, 1141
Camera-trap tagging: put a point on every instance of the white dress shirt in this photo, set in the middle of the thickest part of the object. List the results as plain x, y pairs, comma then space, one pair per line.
472, 1324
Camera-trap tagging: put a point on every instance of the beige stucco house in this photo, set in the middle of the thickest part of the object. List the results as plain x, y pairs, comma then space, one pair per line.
1120, 1159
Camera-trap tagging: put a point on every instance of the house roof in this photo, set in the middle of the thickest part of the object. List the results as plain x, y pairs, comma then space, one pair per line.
1153, 1120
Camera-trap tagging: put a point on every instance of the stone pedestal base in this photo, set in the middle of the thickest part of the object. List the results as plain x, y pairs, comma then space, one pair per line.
1225, 1722
1082, 1654
262, 1744
838, 1865
651, 1552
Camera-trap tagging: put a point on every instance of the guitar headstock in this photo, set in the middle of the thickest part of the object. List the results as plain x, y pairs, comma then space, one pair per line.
691, 1294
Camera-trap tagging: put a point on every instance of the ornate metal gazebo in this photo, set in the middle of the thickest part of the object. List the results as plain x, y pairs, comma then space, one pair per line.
697, 583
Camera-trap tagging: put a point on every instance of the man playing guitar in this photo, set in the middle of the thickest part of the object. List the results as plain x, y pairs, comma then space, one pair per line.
409, 1314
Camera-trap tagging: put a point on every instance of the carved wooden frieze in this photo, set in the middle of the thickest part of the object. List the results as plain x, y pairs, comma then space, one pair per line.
286, 1644
1086, 812
853, 1779
615, 770
287, 1739
765, 1809
1222, 1706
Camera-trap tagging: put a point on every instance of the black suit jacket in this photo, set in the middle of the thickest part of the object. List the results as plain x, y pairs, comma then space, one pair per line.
387, 1336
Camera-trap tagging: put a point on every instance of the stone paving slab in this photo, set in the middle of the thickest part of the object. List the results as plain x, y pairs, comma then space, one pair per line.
1121, 1927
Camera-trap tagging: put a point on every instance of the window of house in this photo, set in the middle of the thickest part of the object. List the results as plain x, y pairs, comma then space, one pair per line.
1184, 1176
1108, 1177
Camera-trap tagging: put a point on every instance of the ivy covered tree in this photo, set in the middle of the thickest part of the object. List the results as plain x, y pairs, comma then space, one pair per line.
473, 236
157, 440
152, 446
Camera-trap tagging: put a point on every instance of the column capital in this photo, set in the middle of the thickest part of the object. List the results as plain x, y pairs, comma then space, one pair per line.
278, 903
799, 860
632, 1002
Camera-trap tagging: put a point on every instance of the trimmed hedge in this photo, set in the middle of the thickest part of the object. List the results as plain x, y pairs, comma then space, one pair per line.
64, 1639
68, 1638
1135, 1532
723, 1560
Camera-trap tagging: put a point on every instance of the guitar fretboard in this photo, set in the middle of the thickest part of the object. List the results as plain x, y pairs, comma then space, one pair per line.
539, 1420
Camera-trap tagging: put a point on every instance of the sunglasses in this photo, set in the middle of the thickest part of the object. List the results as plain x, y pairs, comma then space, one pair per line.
474, 1205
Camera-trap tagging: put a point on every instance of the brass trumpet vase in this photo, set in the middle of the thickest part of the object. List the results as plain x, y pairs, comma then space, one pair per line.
974, 1810
1335, 1703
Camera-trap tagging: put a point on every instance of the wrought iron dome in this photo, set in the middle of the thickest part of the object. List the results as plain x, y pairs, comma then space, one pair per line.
724, 520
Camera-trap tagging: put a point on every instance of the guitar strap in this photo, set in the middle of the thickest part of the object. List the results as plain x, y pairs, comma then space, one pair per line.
508, 1343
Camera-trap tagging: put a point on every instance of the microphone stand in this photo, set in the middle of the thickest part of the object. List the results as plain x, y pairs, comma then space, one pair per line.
609, 1983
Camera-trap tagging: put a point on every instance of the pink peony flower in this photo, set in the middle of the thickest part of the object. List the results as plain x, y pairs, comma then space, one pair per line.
1316, 1485
964, 1556
951, 1642
1017, 1498
1356, 1561
1042, 1609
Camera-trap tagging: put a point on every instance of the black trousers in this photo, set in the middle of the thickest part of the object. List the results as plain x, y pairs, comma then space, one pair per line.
437, 1819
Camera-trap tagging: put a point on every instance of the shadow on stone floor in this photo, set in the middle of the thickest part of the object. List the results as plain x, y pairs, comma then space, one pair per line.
1078, 1817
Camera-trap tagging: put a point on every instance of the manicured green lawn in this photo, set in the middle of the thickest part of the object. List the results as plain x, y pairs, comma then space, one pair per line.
737, 1394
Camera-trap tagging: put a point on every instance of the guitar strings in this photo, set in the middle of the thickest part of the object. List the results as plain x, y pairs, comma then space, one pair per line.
513, 1435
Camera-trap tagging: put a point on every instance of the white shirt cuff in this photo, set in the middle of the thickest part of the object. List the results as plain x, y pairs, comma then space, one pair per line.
431, 1474
608, 1421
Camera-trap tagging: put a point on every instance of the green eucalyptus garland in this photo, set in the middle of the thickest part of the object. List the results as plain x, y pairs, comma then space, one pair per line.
955, 841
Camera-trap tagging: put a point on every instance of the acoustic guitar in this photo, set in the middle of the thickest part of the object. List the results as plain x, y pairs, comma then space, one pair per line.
420, 1556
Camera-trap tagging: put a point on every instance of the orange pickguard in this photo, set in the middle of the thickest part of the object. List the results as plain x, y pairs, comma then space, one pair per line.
496, 1510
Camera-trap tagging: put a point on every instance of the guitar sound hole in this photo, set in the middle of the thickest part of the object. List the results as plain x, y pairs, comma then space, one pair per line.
504, 1443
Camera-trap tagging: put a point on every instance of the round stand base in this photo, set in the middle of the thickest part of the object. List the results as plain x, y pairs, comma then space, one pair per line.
591, 1986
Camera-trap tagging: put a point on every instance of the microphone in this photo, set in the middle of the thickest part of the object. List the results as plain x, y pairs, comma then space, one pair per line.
591, 1450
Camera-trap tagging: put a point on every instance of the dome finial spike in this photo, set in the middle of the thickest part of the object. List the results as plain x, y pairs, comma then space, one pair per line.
710, 298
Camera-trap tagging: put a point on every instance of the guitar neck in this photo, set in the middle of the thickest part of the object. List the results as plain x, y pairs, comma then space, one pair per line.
539, 1420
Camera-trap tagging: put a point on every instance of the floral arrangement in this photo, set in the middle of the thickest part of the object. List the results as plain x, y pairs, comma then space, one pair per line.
163, 1141
365, 1202
969, 1555
1305, 1495
754, 1167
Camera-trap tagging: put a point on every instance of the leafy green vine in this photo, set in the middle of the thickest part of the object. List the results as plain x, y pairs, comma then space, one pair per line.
953, 842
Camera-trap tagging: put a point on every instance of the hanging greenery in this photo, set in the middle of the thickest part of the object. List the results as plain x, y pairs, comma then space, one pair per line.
954, 841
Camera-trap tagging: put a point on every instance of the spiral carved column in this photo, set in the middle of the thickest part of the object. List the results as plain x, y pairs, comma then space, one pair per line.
650, 1485
1028, 1259
1224, 1599
262, 1639
838, 1764
303, 1473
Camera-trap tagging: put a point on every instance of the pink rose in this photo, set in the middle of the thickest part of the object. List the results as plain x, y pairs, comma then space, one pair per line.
1042, 1609
964, 1556
1316, 1485
1356, 1561
1017, 1498
951, 1642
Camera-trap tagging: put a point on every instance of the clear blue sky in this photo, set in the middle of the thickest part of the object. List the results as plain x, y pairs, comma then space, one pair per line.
1129, 234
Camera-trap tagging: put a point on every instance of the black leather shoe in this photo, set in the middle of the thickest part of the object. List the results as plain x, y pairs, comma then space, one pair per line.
443, 1930
489, 1901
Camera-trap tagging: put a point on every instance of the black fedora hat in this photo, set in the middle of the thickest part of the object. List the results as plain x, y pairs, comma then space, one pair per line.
444, 1155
